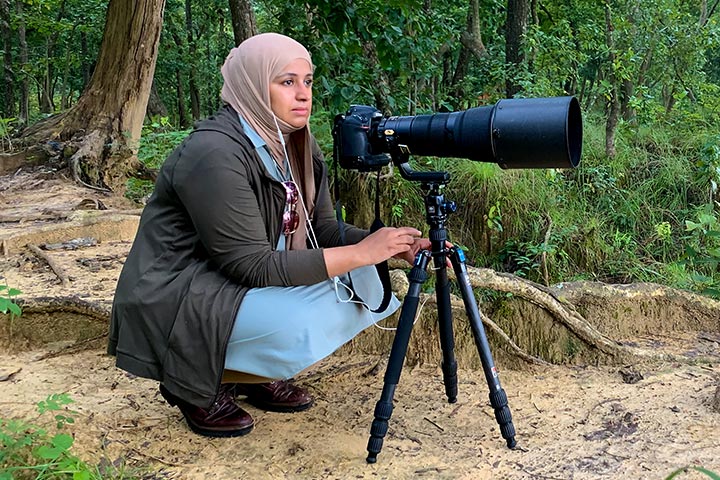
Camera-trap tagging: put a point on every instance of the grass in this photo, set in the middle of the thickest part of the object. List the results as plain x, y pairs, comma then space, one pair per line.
42, 449
622, 219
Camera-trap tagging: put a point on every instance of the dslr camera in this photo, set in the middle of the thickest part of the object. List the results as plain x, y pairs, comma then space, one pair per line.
514, 133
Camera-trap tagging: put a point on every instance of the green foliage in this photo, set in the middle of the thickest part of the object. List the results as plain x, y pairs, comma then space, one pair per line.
704, 471
8, 306
29, 451
7, 132
647, 214
159, 138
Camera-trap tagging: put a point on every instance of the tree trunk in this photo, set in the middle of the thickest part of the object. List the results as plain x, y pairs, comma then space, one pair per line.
518, 12
155, 103
85, 66
613, 102
192, 51
45, 86
66, 90
183, 119
707, 12
382, 86
472, 45
8, 92
102, 130
243, 20
25, 82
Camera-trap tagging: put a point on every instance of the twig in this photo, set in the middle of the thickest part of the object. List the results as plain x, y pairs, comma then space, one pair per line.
53, 265
519, 352
147, 455
607, 400
70, 348
434, 424
543, 257
537, 475
28, 218
534, 404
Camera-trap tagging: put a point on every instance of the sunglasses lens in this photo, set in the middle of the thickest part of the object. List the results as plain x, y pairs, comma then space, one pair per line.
291, 192
291, 220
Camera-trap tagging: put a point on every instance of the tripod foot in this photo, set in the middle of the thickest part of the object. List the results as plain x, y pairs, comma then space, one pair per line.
371, 458
511, 443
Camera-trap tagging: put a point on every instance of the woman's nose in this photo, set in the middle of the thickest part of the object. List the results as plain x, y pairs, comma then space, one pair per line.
303, 91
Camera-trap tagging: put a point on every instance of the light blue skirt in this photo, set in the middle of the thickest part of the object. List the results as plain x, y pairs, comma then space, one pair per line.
280, 331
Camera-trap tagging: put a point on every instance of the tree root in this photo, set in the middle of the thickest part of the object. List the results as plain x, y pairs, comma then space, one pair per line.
457, 303
566, 315
69, 304
59, 271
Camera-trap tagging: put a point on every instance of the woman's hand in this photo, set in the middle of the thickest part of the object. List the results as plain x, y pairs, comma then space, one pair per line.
387, 242
409, 255
402, 242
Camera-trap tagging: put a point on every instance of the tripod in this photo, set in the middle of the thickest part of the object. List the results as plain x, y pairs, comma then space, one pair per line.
437, 210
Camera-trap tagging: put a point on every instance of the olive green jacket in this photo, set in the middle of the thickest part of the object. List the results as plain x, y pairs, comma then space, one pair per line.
207, 235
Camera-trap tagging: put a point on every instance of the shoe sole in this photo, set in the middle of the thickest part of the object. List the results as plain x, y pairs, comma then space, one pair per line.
268, 407
218, 433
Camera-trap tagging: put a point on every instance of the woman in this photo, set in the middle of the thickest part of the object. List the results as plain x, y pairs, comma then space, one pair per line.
235, 277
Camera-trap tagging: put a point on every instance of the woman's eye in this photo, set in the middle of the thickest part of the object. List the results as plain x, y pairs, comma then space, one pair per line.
288, 82
308, 82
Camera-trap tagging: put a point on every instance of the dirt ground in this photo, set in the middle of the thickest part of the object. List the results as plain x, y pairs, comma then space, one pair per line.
572, 422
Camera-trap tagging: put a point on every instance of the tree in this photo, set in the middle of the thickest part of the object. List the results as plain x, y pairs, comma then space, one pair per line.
243, 20
98, 136
613, 114
8, 93
518, 12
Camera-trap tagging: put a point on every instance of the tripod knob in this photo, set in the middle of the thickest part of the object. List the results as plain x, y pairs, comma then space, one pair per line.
449, 207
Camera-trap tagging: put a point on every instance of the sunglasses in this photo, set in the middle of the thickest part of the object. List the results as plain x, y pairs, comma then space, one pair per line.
291, 218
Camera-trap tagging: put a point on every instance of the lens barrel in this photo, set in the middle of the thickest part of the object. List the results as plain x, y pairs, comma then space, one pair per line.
514, 133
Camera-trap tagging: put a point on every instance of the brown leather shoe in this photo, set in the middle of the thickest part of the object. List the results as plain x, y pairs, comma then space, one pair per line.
278, 396
223, 419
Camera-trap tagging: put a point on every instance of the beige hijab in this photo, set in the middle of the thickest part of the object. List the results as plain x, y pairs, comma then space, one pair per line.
247, 72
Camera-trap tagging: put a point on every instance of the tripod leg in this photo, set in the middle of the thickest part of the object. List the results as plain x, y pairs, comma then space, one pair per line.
442, 294
384, 406
498, 398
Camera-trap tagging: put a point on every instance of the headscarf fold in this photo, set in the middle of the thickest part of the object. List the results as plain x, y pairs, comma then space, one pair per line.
247, 73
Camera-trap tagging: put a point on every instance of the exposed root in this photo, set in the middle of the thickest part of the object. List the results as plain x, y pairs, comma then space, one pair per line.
457, 303
566, 314
59, 271
514, 348
70, 304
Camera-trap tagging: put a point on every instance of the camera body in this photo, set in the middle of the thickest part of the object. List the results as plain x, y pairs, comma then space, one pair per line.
354, 136
514, 133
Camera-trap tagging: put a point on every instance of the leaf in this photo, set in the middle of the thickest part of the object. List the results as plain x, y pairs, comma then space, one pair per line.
62, 440
82, 475
14, 309
48, 453
677, 472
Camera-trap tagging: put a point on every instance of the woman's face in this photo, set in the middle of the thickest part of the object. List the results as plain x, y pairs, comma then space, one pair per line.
291, 93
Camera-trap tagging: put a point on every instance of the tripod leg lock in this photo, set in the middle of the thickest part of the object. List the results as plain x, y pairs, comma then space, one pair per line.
378, 430
499, 402
450, 376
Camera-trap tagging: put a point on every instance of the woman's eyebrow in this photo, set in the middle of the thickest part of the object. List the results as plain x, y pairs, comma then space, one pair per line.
292, 74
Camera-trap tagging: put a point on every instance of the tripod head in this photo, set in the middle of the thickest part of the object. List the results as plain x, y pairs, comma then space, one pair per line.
437, 208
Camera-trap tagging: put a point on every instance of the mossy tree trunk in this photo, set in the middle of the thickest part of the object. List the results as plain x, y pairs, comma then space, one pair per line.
99, 135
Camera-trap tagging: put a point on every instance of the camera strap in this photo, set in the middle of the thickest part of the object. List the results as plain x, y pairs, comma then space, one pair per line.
382, 268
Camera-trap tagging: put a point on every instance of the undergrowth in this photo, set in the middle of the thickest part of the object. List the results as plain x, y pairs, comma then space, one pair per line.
650, 214
31, 451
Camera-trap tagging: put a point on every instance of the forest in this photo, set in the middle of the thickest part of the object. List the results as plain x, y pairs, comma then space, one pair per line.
600, 284
642, 206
